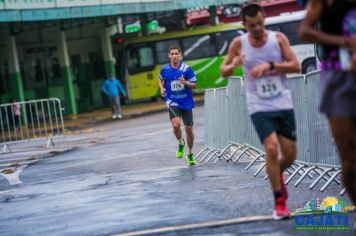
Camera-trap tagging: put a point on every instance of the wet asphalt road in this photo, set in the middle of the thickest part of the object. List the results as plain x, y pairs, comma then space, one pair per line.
122, 176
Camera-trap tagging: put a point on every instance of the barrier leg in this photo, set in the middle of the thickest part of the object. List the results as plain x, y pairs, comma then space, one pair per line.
330, 180
233, 153
224, 150
294, 173
50, 143
343, 191
297, 165
211, 156
201, 160
6, 148
201, 151
259, 169
241, 154
321, 175
335, 180
253, 161
303, 176
218, 158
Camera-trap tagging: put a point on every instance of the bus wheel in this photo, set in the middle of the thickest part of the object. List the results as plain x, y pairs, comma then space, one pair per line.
309, 65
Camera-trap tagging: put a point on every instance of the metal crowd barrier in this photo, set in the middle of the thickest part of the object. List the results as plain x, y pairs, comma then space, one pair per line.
230, 135
29, 120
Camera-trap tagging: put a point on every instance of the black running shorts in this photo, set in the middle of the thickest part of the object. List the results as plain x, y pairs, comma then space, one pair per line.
281, 122
185, 115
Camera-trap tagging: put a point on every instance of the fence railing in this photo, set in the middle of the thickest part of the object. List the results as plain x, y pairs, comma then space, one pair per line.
28, 120
230, 135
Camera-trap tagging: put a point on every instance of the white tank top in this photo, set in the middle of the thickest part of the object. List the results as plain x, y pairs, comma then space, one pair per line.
269, 92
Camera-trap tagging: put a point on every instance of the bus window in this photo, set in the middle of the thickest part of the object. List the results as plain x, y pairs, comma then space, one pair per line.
162, 50
146, 57
290, 29
198, 47
223, 40
140, 59
289, 24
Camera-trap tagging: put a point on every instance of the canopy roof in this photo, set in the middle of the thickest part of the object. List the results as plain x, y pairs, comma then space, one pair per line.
42, 10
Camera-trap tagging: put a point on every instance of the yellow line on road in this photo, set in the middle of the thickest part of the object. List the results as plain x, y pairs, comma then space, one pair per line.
248, 219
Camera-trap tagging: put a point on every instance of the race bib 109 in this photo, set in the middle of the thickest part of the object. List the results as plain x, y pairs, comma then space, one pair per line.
269, 87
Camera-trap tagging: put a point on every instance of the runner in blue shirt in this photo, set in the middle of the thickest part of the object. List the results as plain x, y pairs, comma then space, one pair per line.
176, 81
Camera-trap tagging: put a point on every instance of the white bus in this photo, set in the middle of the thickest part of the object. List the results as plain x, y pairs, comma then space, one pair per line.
288, 23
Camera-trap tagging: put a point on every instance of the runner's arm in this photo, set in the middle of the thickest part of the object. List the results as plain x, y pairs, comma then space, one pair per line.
161, 86
308, 32
291, 63
191, 81
190, 84
233, 59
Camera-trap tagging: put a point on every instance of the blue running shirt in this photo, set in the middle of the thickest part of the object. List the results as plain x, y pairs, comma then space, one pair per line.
178, 94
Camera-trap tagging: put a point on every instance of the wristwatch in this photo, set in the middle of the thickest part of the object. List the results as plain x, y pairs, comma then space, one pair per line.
271, 65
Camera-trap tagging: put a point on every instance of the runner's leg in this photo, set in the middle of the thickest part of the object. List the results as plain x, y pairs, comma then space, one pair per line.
174, 115
344, 133
190, 137
187, 116
271, 147
288, 150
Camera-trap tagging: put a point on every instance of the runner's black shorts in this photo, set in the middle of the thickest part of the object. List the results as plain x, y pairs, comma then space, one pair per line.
185, 115
281, 122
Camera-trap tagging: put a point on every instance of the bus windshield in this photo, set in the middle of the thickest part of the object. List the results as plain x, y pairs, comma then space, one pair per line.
290, 29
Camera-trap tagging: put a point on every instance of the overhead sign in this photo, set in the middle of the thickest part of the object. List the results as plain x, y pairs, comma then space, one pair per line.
36, 4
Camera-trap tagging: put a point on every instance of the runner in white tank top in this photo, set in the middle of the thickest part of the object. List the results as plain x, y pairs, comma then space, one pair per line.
269, 92
266, 56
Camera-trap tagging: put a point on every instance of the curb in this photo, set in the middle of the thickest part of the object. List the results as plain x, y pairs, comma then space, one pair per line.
78, 124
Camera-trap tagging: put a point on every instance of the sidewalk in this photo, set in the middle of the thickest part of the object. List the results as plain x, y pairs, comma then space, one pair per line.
103, 115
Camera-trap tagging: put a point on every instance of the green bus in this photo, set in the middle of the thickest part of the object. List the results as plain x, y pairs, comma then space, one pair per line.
203, 49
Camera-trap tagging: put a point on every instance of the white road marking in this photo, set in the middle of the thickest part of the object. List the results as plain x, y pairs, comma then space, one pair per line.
247, 219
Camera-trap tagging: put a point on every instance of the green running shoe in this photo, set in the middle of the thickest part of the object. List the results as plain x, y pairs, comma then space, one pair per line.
180, 150
191, 159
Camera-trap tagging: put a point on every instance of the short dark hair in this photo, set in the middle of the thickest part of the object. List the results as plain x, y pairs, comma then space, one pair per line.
174, 47
250, 10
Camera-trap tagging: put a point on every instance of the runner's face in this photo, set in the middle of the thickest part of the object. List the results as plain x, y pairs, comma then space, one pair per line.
255, 25
174, 55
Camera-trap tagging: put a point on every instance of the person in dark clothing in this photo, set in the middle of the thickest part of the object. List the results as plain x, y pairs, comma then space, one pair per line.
337, 36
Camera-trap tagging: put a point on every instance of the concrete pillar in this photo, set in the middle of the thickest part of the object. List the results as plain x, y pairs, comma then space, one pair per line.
214, 20
182, 19
70, 100
14, 68
15, 74
85, 79
109, 60
143, 22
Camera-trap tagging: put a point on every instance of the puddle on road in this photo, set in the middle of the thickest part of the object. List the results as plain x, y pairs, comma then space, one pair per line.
13, 175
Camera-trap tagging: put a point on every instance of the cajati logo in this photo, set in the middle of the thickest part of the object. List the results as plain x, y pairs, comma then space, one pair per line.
327, 214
